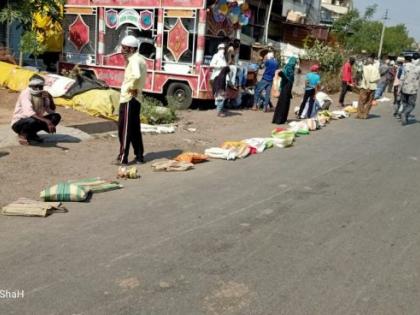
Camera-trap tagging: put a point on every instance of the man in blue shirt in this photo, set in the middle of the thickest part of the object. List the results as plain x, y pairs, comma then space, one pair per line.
312, 81
265, 84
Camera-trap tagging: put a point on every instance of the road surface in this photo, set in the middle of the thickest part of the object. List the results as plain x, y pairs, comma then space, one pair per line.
330, 226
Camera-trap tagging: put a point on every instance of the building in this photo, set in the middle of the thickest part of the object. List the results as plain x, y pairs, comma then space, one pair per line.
281, 30
331, 10
254, 31
311, 9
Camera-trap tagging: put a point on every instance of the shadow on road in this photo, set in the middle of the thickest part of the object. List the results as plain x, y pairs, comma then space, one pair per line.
59, 138
3, 154
52, 141
97, 127
232, 113
170, 154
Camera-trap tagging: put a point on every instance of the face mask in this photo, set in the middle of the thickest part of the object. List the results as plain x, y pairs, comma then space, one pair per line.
35, 90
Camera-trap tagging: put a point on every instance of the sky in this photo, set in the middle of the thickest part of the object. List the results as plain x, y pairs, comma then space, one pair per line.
399, 11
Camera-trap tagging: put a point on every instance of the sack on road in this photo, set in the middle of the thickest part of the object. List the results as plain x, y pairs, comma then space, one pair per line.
65, 192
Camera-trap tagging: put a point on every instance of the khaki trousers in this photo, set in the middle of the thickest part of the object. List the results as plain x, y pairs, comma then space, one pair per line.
365, 103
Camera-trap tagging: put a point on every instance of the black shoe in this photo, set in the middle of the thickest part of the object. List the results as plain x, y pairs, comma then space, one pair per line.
139, 160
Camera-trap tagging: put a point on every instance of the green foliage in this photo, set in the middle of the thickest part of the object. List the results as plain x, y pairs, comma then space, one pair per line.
30, 45
329, 58
361, 34
171, 101
331, 82
22, 12
153, 112
396, 39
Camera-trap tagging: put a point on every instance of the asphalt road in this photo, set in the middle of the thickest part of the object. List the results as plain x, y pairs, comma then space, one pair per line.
330, 226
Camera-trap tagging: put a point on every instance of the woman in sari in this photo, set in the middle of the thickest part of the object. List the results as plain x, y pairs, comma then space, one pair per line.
287, 78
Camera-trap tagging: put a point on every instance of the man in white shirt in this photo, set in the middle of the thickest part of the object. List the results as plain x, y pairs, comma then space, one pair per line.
218, 62
131, 91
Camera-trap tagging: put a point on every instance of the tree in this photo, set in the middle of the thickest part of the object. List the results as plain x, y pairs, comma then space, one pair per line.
23, 11
396, 39
358, 34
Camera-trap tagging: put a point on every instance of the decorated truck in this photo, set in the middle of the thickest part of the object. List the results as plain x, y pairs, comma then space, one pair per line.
177, 38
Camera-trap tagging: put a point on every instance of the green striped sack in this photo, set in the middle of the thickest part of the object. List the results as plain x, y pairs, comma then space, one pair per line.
65, 192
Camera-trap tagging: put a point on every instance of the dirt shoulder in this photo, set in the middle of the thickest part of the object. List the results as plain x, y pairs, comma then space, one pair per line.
26, 170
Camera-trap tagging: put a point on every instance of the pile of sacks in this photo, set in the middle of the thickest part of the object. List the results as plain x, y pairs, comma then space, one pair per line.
233, 150
280, 137
182, 162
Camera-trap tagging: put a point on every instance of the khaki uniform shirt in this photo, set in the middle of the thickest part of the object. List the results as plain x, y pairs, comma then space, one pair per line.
370, 77
134, 78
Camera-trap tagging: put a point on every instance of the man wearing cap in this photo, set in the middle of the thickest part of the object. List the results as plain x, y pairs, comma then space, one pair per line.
271, 65
218, 62
28, 117
131, 91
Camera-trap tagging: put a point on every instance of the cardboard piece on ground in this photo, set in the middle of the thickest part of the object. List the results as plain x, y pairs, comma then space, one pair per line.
32, 208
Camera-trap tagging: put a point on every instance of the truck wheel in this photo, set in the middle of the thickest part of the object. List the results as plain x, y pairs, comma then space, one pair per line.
180, 94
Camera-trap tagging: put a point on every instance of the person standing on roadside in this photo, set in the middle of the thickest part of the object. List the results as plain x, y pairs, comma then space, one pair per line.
346, 79
391, 76
129, 128
283, 104
271, 65
312, 82
218, 61
219, 91
383, 81
397, 85
410, 81
367, 89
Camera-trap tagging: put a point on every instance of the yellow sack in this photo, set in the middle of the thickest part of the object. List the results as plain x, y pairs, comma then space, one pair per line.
232, 144
350, 109
19, 79
6, 70
60, 101
99, 103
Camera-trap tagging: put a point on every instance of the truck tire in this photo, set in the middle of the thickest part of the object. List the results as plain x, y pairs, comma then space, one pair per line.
180, 94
